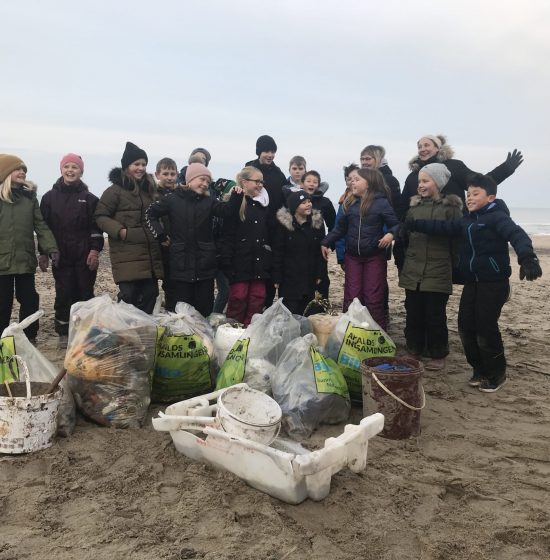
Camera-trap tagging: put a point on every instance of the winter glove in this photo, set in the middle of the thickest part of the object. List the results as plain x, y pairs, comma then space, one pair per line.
43, 262
514, 160
92, 262
55, 259
530, 268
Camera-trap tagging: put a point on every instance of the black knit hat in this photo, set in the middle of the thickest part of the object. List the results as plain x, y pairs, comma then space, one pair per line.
132, 153
295, 199
265, 144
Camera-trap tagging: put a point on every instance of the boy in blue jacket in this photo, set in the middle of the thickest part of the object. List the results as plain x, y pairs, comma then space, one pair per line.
485, 267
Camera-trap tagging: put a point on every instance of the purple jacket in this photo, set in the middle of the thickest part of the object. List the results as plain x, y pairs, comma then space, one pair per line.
69, 213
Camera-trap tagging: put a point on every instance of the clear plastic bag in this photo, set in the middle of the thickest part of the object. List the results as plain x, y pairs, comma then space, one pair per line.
253, 357
110, 359
14, 341
309, 388
185, 361
355, 337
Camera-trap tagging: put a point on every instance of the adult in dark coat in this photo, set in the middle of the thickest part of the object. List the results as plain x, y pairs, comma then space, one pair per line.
274, 181
434, 149
298, 265
68, 209
136, 260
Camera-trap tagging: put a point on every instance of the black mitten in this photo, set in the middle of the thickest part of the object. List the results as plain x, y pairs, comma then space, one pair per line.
514, 160
530, 268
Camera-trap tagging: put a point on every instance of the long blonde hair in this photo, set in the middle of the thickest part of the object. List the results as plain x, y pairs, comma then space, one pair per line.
376, 184
6, 194
245, 174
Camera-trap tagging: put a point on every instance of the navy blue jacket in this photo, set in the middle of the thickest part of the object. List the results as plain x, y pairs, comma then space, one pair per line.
364, 232
486, 233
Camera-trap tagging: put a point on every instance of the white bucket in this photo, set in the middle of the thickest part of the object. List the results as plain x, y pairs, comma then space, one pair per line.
250, 414
27, 423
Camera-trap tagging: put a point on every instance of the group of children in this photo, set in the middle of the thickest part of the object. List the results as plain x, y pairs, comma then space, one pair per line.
265, 232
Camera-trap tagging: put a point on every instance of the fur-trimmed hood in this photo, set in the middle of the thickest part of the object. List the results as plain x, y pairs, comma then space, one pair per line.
446, 200
117, 178
28, 189
286, 219
445, 152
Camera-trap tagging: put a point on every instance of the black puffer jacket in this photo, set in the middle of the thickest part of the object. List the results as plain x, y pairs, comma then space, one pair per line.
457, 183
364, 232
393, 185
486, 233
193, 254
297, 259
69, 213
274, 180
245, 246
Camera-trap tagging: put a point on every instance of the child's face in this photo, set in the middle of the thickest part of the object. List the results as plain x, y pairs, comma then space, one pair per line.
137, 169
253, 186
304, 209
310, 184
297, 172
18, 176
266, 158
166, 177
199, 184
426, 186
477, 198
426, 149
367, 162
359, 185
71, 173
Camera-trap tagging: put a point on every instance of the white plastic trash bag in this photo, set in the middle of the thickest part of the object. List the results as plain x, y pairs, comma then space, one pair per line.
309, 388
253, 357
14, 341
355, 337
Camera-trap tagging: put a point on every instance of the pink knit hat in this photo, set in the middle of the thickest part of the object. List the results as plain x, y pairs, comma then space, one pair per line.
72, 158
196, 170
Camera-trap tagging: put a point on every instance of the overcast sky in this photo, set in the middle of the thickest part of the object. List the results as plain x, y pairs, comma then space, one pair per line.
324, 78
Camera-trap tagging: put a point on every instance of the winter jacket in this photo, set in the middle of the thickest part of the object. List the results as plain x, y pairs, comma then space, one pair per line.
485, 234
69, 212
245, 246
297, 259
193, 253
364, 232
274, 180
138, 256
18, 222
393, 185
429, 259
457, 183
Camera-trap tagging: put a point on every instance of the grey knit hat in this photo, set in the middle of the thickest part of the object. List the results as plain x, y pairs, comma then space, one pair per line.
438, 172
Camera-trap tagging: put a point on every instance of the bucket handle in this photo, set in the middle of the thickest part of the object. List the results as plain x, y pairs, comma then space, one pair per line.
384, 388
25, 369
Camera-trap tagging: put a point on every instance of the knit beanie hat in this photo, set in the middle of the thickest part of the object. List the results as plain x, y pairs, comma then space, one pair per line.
438, 172
295, 199
8, 164
132, 153
72, 158
202, 151
265, 144
435, 139
196, 170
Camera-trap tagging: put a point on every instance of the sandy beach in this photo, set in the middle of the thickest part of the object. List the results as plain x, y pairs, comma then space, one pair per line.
474, 485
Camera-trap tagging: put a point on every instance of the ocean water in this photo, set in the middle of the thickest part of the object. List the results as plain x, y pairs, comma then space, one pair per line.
535, 221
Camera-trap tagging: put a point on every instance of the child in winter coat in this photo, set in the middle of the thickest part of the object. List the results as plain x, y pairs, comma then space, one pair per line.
427, 270
298, 265
135, 255
485, 266
20, 218
68, 209
246, 249
340, 245
365, 214
193, 255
